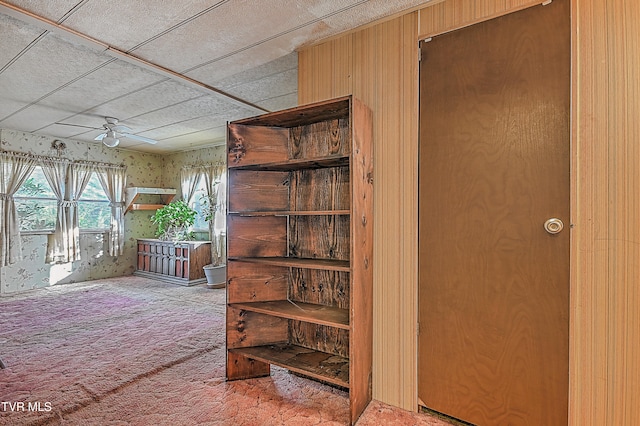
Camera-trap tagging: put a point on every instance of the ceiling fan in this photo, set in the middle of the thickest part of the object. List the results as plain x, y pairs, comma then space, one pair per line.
114, 131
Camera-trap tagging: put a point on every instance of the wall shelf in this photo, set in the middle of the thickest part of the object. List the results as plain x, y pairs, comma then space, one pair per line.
133, 194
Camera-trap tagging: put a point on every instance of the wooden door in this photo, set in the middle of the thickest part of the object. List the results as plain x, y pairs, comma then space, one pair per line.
494, 166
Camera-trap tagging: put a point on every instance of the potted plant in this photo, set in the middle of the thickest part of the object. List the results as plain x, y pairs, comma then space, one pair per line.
216, 271
174, 221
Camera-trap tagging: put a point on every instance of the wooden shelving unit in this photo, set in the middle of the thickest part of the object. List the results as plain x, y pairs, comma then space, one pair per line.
300, 245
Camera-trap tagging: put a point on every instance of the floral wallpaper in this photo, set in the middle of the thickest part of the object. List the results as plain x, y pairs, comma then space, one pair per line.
143, 170
174, 162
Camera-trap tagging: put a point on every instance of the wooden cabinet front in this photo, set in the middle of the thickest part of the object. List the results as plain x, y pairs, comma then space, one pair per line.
178, 262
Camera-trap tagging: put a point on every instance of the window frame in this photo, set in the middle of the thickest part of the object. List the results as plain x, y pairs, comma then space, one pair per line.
20, 198
107, 227
50, 197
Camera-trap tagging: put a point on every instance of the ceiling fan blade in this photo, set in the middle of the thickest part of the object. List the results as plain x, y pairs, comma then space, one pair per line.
120, 128
79, 125
139, 138
100, 137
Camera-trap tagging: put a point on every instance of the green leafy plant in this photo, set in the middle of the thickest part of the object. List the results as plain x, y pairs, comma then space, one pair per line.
174, 220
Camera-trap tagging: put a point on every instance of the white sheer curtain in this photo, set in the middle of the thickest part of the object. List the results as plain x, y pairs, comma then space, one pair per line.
215, 180
189, 178
14, 170
67, 181
79, 176
55, 171
113, 181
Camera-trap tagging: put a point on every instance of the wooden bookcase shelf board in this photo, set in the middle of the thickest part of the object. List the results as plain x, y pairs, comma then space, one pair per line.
300, 164
292, 213
319, 365
324, 264
161, 196
308, 312
300, 245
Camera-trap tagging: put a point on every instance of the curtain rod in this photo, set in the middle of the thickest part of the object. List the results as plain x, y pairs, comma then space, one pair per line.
60, 160
196, 165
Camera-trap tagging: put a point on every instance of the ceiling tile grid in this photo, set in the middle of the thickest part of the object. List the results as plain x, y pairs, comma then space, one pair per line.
174, 71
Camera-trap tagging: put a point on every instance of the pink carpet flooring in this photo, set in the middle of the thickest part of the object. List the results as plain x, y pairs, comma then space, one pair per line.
134, 351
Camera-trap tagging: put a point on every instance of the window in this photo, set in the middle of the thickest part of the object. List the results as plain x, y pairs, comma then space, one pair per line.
94, 209
37, 205
198, 203
220, 223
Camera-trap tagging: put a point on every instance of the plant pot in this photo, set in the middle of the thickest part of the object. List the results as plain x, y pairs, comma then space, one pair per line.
216, 275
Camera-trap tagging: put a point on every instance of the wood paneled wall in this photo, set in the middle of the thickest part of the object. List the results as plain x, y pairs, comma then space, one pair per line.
605, 320
453, 14
357, 63
378, 64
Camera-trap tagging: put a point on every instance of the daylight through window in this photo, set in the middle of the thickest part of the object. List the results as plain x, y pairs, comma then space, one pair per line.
37, 205
94, 209
198, 203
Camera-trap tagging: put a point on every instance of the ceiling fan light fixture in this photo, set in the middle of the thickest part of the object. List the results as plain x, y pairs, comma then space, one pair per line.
111, 140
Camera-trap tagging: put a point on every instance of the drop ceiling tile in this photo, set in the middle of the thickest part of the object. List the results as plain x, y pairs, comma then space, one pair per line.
186, 128
8, 107
107, 83
281, 64
85, 134
125, 24
35, 118
52, 10
367, 12
254, 61
215, 135
51, 65
278, 103
202, 107
235, 27
133, 109
270, 86
15, 36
